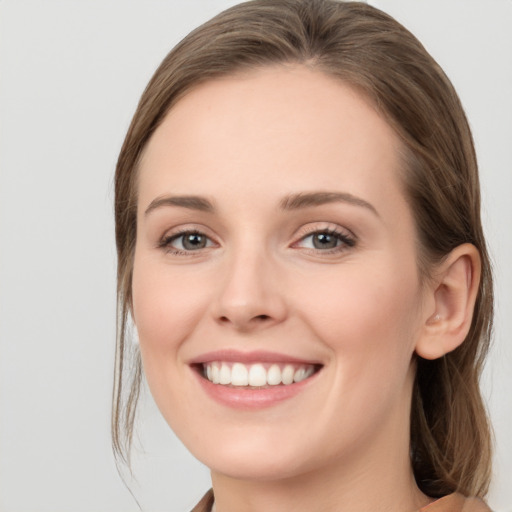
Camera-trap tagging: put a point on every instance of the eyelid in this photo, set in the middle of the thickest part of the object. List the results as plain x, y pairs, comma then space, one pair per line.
320, 227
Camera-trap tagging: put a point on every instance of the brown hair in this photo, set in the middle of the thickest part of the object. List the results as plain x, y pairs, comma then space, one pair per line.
364, 47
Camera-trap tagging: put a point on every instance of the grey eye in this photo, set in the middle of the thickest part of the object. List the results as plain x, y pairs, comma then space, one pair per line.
324, 241
193, 241
187, 241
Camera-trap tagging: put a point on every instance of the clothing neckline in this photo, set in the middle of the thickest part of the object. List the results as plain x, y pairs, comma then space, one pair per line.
455, 502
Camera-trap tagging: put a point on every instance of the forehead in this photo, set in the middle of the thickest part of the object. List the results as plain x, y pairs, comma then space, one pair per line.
281, 127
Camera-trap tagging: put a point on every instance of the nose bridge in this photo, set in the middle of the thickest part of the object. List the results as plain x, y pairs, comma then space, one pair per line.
249, 294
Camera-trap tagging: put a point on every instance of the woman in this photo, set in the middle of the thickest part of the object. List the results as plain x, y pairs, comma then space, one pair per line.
300, 249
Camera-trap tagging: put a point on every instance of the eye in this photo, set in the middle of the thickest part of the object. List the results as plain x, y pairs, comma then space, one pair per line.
186, 241
323, 240
326, 240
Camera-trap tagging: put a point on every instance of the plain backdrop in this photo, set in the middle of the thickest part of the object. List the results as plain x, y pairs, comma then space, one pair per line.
71, 73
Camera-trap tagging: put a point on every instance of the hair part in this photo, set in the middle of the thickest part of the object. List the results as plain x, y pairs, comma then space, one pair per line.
369, 50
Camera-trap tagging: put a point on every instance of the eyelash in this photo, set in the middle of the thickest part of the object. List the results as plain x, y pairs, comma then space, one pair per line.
347, 241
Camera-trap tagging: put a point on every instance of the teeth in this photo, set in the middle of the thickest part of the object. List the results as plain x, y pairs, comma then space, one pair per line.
274, 375
256, 375
215, 373
299, 375
225, 374
239, 375
288, 374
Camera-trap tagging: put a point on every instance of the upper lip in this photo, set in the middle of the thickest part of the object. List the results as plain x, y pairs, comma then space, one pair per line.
256, 356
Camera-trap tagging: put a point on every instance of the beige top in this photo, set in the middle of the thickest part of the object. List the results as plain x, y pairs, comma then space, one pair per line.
456, 503
451, 503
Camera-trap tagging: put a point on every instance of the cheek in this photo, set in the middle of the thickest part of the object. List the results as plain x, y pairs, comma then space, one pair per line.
167, 305
369, 320
369, 315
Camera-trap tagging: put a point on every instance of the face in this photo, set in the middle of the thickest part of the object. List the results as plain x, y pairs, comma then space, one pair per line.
275, 289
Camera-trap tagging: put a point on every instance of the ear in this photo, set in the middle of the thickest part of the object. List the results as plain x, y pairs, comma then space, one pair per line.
451, 302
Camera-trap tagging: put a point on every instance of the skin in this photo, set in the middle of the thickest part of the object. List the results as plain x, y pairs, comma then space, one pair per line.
244, 143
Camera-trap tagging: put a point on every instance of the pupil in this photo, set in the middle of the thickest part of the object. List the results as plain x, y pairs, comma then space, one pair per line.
324, 241
194, 241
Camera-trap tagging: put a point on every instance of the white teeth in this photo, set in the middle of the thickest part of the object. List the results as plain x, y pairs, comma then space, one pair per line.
256, 375
239, 375
215, 373
288, 374
299, 375
225, 374
303, 373
274, 375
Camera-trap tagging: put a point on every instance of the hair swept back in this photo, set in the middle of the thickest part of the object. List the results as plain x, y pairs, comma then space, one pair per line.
356, 43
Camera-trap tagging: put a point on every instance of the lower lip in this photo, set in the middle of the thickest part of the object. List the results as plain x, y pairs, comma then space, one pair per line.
251, 398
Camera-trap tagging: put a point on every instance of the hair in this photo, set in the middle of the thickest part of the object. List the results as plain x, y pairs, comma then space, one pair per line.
450, 441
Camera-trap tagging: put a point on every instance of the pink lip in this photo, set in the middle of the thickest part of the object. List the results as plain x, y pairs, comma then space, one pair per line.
239, 398
249, 398
257, 356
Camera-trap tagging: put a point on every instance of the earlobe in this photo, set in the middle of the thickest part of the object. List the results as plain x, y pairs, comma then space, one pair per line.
454, 295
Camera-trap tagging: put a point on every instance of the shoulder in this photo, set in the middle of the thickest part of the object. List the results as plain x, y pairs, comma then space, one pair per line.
456, 503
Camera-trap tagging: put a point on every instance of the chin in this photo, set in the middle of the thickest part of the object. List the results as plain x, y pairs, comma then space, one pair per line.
254, 467
253, 458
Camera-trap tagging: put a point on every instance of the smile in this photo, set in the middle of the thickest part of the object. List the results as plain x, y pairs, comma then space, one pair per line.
253, 380
256, 375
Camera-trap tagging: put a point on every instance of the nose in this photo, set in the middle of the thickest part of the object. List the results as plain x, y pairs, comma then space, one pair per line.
250, 296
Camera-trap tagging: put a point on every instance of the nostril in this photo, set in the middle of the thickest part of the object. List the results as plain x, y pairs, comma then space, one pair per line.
257, 318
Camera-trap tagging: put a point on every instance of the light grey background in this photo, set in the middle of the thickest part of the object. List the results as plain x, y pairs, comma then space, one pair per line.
71, 73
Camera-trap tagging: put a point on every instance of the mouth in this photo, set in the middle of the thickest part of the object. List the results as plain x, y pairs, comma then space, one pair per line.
253, 380
258, 375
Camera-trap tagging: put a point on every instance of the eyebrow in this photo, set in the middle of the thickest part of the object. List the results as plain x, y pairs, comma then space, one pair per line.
191, 202
288, 203
306, 200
